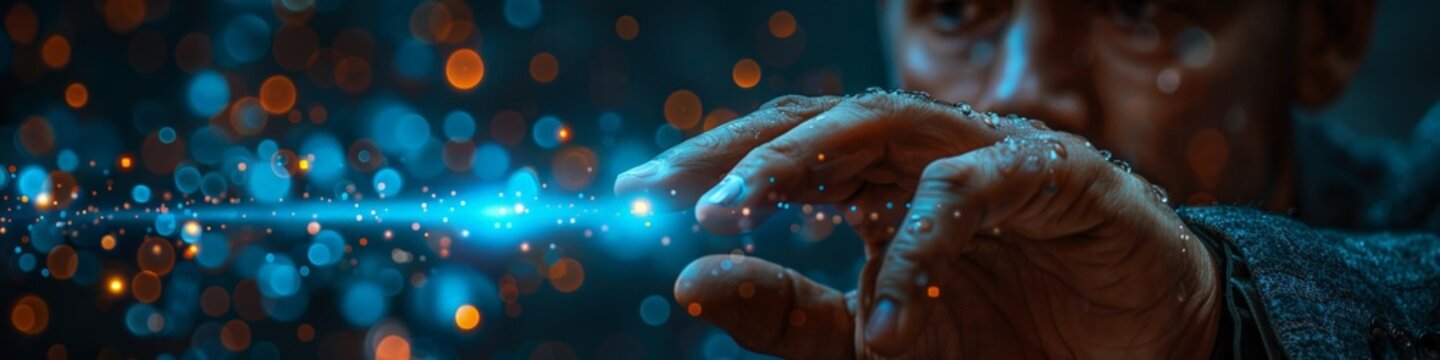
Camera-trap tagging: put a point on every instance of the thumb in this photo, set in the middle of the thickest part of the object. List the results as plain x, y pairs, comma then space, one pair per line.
767, 308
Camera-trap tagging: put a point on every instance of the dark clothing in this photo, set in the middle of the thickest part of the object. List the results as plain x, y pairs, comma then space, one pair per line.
1298, 292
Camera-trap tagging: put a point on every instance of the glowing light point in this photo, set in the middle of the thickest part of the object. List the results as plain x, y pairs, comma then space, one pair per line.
640, 207
191, 231
116, 286
467, 317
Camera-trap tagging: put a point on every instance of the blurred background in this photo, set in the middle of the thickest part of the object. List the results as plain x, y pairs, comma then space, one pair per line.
256, 178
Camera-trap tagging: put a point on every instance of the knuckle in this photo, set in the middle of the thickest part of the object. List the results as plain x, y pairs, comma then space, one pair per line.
875, 101
788, 102
776, 153
948, 170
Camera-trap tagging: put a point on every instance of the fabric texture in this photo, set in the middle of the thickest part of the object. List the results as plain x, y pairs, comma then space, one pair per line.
1320, 293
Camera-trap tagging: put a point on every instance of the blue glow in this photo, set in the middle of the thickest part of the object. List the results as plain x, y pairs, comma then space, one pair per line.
459, 125
427, 161
522, 14
279, 278
413, 59
187, 179
720, 346
213, 251
523, 183
191, 236
491, 161
547, 132
165, 224
213, 185
364, 304
252, 118
1015, 60
328, 163
26, 262
246, 38
137, 319
267, 186
33, 181
67, 161
412, 131
166, 135
610, 122
208, 94
141, 194
655, 310
667, 136
388, 182
287, 308
448, 288
391, 281
207, 144
327, 248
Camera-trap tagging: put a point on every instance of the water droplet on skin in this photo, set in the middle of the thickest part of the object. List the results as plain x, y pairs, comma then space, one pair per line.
921, 224
1160, 193
1124, 166
989, 119
1057, 151
1051, 187
1104, 154
1031, 164
964, 107
1039, 125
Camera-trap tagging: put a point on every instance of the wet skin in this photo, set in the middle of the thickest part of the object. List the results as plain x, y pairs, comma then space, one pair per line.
1019, 239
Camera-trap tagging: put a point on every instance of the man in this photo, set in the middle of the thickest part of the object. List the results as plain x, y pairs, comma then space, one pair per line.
992, 235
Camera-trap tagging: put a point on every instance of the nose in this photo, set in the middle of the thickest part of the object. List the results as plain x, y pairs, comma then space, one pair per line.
1038, 70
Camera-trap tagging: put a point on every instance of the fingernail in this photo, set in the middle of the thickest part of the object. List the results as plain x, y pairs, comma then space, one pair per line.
882, 319
644, 170
727, 192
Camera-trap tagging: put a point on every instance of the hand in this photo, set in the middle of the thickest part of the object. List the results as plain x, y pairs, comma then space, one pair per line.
1016, 239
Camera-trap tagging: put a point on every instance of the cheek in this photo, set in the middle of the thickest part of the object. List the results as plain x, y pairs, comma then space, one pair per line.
1194, 89
920, 68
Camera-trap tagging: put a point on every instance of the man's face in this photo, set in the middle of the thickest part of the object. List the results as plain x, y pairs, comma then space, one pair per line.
1194, 93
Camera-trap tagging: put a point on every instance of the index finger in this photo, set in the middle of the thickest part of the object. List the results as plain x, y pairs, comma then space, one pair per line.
685, 171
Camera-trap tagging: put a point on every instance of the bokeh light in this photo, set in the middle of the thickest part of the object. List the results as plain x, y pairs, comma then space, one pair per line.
682, 109
76, 95
277, 95
464, 69
746, 73
627, 28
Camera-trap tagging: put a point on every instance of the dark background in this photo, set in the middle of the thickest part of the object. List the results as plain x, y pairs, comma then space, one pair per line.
681, 45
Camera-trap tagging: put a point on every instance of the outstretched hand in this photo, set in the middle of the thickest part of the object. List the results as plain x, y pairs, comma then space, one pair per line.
1017, 240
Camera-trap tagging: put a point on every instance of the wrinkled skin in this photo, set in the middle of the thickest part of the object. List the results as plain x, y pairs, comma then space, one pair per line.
1018, 240
1069, 287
